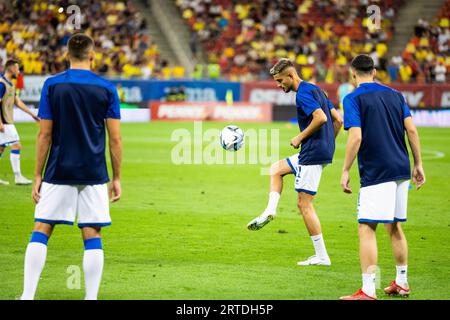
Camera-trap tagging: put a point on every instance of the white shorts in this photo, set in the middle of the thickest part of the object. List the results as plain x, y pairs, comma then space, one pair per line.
10, 136
60, 204
383, 203
307, 178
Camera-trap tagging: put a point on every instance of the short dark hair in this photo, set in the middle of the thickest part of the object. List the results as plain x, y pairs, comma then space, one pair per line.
363, 64
280, 66
11, 62
79, 46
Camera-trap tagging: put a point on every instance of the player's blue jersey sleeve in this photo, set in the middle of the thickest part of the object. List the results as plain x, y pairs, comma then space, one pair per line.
2, 90
114, 105
306, 101
330, 104
406, 112
45, 111
352, 117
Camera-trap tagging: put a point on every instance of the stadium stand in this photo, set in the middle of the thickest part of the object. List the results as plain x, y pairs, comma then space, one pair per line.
246, 37
36, 32
426, 57
241, 39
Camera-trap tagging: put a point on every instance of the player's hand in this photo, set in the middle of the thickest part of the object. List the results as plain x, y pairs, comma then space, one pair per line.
296, 141
36, 189
2, 127
115, 191
345, 182
36, 118
418, 176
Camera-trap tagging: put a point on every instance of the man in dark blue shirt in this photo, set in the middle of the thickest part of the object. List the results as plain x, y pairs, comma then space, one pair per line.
319, 124
76, 106
377, 118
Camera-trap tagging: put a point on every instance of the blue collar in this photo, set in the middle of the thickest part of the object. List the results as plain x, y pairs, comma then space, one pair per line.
3, 76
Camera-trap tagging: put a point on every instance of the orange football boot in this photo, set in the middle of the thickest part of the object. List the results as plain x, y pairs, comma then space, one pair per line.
358, 295
395, 290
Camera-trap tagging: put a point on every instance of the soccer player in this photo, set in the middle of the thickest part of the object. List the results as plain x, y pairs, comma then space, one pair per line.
8, 132
345, 87
377, 117
317, 136
75, 107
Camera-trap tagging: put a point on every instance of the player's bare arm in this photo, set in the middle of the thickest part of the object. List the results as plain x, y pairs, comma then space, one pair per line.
44, 140
352, 148
337, 121
22, 106
319, 119
418, 174
115, 149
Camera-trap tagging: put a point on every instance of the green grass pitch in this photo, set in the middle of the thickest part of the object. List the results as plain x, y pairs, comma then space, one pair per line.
179, 231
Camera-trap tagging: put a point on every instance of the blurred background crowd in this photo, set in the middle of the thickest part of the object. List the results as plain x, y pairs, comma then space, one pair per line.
240, 39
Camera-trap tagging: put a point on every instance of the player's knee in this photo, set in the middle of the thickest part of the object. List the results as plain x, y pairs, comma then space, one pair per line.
395, 230
275, 169
44, 228
91, 232
304, 206
16, 146
367, 229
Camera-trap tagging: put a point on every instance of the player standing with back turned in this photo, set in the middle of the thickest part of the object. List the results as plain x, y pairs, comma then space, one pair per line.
377, 117
75, 107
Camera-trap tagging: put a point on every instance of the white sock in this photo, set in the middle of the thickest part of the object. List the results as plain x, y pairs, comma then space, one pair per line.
35, 256
274, 197
369, 284
92, 267
319, 246
402, 276
15, 163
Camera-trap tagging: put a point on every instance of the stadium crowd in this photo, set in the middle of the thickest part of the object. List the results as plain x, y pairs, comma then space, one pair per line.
426, 57
246, 37
36, 32
242, 39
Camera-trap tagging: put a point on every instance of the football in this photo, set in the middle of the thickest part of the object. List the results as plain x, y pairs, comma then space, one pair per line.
232, 138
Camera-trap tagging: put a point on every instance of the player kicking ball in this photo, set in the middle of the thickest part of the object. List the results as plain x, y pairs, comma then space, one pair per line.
317, 139
377, 118
75, 107
8, 132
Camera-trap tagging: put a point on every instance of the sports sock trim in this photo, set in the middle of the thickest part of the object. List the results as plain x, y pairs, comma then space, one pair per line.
93, 243
40, 237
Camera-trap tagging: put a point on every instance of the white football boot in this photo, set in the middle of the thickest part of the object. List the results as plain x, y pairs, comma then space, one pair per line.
21, 180
260, 221
3, 182
315, 261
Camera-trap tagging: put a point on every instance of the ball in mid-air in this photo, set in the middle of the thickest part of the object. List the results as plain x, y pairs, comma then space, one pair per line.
232, 138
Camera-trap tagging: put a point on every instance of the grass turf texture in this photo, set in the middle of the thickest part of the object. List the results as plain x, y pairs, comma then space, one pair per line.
179, 231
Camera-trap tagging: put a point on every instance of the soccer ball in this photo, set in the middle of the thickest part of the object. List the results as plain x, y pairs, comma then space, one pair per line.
232, 138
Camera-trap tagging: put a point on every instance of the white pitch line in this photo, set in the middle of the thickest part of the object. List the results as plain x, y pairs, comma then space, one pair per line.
435, 154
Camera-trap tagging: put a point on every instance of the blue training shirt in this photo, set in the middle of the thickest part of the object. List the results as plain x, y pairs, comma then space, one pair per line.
380, 112
319, 147
2, 90
78, 101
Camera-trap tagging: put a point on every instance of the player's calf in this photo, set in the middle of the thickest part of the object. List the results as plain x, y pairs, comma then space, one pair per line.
35, 256
93, 260
15, 164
